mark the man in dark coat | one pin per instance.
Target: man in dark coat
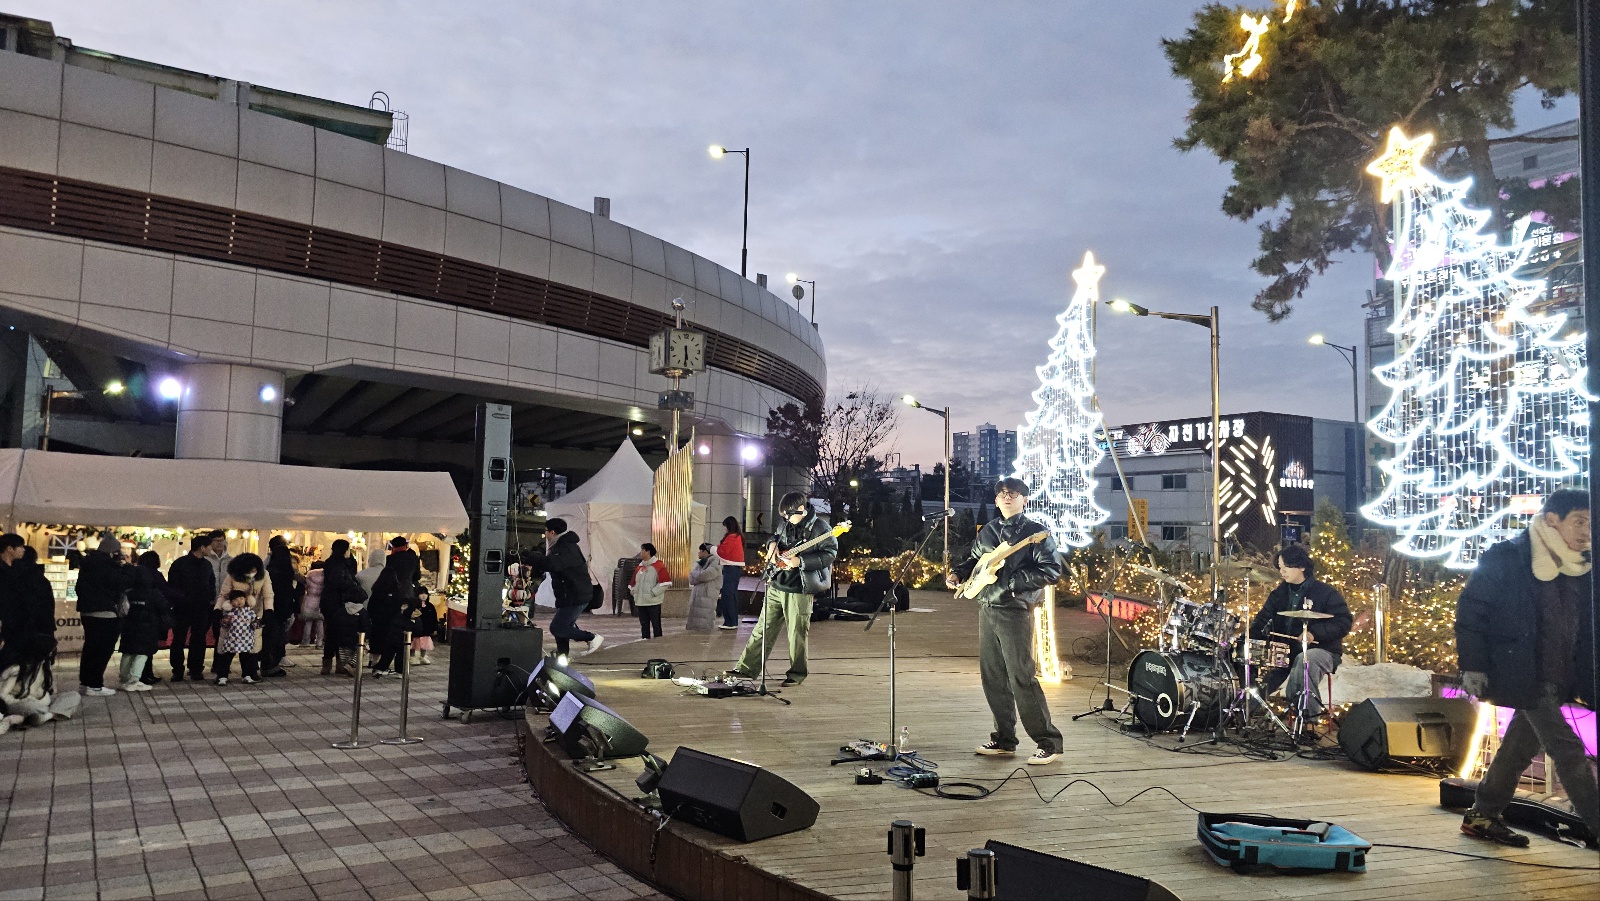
(568, 571)
(791, 591)
(1523, 640)
(1299, 590)
(286, 587)
(194, 581)
(1006, 665)
(394, 590)
(101, 581)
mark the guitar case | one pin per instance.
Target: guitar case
(1537, 816)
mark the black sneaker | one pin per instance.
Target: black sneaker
(788, 683)
(994, 749)
(1492, 829)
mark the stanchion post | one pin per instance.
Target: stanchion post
(907, 842)
(976, 874)
(355, 705)
(405, 694)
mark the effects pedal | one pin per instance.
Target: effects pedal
(922, 780)
(865, 776)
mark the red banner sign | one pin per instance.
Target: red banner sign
(1117, 606)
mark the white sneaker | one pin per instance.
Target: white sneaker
(137, 686)
(287, 662)
(723, 626)
(101, 692)
(425, 661)
(220, 680)
(595, 645)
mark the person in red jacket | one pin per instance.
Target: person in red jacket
(731, 550)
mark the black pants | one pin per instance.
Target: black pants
(649, 618)
(274, 640)
(189, 633)
(223, 663)
(99, 643)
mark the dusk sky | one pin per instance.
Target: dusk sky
(938, 168)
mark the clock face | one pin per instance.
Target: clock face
(658, 352)
(687, 350)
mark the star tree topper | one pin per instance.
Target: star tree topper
(1401, 163)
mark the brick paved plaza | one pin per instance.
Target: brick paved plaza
(192, 791)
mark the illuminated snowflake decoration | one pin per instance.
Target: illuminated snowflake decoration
(1056, 449)
(1489, 411)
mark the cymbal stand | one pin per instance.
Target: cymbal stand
(1305, 681)
(893, 600)
(1105, 706)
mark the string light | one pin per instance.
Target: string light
(1247, 61)
(1057, 448)
(1488, 406)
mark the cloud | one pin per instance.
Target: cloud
(937, 167)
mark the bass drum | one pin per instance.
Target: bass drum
(1165, 687)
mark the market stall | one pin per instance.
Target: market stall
(58, 501)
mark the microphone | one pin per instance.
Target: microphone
(930, 517)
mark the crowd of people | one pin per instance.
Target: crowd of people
(242, 605)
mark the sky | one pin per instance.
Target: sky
(938, 168)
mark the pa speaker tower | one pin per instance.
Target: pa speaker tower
(489, 664)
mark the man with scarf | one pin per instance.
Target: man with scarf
(799, 579)
(1523, 641)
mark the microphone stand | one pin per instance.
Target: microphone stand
(893, 600)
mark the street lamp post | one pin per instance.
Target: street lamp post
(795, 280)
(1351, 355)
(1214, 323)
(945, 415)
(717, 152)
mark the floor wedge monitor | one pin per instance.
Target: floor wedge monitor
(732, 798)
(1022, 874)
(1379, 732)
(587, 728)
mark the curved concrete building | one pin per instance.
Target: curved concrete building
(269, 288)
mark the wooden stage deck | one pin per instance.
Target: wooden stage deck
(843, 856)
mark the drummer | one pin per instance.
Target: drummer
(1299, 590)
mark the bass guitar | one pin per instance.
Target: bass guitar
(988, 566)
(771, 567)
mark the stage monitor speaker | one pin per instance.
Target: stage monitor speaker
(1380, 731)
(1022, 874)
(491, 493)
(733, 798)
(488, 667)
(587, 728)
(551, 680)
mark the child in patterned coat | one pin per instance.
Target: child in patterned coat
(238, 636)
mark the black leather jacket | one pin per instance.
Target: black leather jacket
(1024, 575)
(818, 559)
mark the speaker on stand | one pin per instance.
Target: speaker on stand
(489, 662)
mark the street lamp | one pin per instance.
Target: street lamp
(799, 292)
(1351, 355)
(945, 415)
(1212, 322)
(717, 152)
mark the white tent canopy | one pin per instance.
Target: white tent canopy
(610, 514)
(49, 487)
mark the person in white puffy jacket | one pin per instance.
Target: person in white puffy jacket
(650, 583)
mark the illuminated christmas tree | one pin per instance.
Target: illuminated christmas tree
(1489, 412)
(1057, 450)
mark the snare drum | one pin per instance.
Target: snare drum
(1266, 654)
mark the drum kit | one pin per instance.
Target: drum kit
(1206, 672)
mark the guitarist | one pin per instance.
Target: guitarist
(1005, 626)
(791, 589)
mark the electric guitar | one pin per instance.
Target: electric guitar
(987, 569)
(772, 568)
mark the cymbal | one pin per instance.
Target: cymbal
(1257, 574)
(1157, 574)
(1304, 614)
